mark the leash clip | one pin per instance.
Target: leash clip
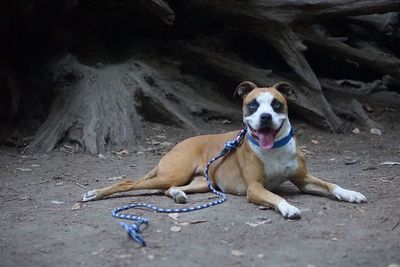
(134, 233)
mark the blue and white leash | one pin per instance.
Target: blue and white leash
(134, 228)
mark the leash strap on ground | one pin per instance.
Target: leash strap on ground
(134, 229)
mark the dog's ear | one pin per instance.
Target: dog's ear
(285, 89)
(244, 88)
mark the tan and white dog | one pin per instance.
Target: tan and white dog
(254, 169)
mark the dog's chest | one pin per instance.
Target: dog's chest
(280, 164)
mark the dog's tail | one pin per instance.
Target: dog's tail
(150, 175)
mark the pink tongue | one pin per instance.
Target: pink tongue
(266, 140)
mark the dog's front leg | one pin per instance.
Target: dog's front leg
(313, 185)
(257, 194)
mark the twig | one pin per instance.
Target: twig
(84, 187)
(397, 224)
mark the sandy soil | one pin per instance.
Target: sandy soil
(41, 224)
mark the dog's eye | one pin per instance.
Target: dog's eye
(252, 107)
(276, 105)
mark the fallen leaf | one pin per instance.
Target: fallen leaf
(101, 156)
(175, 229)
(356, 131)
(349, 161)
(59, 184)
(123, 152)
(237, 253)
(153, 142)
(370, 168)
(315, 142)
(23, 169)
(123, 256)
(57, 202)
(115, 178)
(390, 163)
(191, 222)
(173, 216)
(255, 224)
(376, 131)
(77, 206)
(369, 108)
(165, 144)
(226, 122)
(306, 151)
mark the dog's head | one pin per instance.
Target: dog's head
(265, 110)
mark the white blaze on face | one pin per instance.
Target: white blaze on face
(264, 100)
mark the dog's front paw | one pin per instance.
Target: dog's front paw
(348, 195)
(288, 211)
(90, 195)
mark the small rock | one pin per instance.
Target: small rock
(57, 202)
(175, 229)
(264, 208)
(226, 122)
(260, 256)
(237, 253)
(356, 131)
(376, 131)
(35, 165)
(393, 265)
(59, 184)
(150, 257)
(101, 156)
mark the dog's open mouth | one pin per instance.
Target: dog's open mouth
(265, 137)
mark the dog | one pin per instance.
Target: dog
(267, 157)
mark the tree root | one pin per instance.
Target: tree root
(96, 107)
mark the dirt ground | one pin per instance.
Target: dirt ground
(41, 224)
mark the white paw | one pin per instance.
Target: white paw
(90, 195)
(178, 195)
(288, 211)
(348, 195)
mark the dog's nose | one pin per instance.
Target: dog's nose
(265, 117)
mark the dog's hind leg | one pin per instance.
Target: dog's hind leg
(148, 182)
(197, 185)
